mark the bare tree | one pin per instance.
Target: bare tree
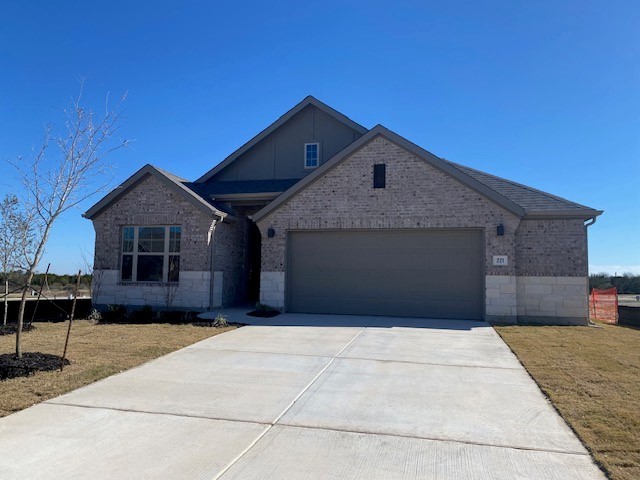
(15, 236)
(87, 266)
(66, 170)
(170, 293)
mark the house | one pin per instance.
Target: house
(319, 214)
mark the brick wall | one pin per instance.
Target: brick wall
(231, 257)
(420, 196)
(551, 247)
(416, 196)
(229, 239)
(152, 203)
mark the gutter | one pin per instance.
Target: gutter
(560, 214)
(245, 196)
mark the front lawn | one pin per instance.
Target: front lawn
(95, 352)
(592, 376)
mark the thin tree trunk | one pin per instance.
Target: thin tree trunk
(35, 309)
(6, 300)
(23, 302)
(73, 311)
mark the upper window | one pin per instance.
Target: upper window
(150, 254)
(311, 155)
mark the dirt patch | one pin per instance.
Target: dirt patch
(592, 377)
(31, 362)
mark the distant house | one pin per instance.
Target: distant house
(319, 214)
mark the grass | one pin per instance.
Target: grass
(592, 376)
(95, 352)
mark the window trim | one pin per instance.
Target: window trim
(135, 253)
(307, 167)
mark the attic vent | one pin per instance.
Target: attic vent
(379, 175)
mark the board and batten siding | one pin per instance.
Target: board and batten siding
(281, 154)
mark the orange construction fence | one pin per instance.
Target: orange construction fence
(603, 305)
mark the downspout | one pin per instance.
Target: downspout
(587, 224)
(211, 262)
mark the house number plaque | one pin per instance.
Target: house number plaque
(500, 260)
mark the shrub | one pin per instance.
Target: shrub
(261, 307)
(171, 316)
(115, 313)
(264, 311)
(144, 315)
(95, 316)
(220, 321)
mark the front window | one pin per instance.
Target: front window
(150, 254)
(311, 155)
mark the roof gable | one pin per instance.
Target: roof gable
(308, 101)
(173, 182)
(518, 199)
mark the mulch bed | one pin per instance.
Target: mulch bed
(264, 313)
(11, 328)
(11, 367)
(147, 317)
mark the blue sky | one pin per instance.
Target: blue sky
(544, 93)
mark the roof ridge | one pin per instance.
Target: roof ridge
(515, 202)
(411, 147)
(169, 179)
(281, 120)
(169, 174)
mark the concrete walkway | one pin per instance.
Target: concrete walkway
(307, 396)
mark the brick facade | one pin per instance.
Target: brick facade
(416, 196)
(551, 247)
(152, 203)
(229, 251)
(544, 281)
(420, 196)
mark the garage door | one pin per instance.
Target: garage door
(436, 273)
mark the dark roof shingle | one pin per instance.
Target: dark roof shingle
(241, 186)
(528, 198)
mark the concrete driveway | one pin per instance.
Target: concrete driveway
(307, 396)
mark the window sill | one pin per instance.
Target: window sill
(149, 284)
